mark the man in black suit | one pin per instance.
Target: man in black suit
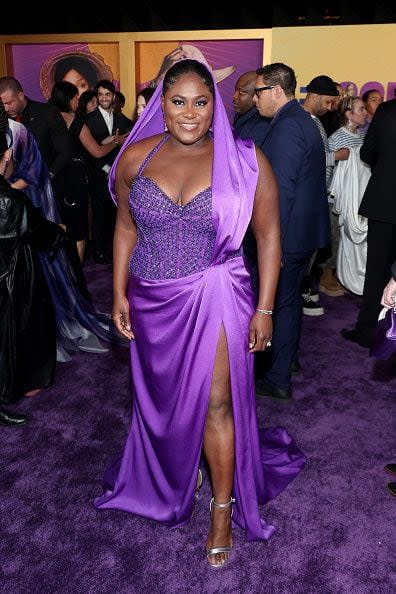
(47, 126)
(118, 106)
(248, 123)
(103, 122)
(378, 205)
(294, 148)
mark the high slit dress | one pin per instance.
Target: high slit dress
(188, 280)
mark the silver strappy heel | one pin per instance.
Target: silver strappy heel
(199, 483)
(215, 550)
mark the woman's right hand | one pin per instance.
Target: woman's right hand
(121, 318)
(108, 139)
(168, 61)
(389, 294)
(116, 138)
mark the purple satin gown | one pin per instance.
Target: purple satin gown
(179, 301)
(383, 345)
(188, 280)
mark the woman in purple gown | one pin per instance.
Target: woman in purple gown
(185, 197)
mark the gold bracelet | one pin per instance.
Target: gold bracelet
(267, 312)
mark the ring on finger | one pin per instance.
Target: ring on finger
(269, 343)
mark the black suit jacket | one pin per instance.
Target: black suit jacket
(127, 124)
(50, 131)
(394, 270)
(295, 150)
(252, 125)
(379, 151)
(99, 131)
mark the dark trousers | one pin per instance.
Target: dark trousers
(59, 191)
(275, 364)
(250, 253)
(381, 253)
(103, 213)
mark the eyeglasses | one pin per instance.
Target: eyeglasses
(258, 90)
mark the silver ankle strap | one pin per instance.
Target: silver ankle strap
(221, 505)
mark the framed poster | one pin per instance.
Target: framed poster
(130, 60)
(227, 58)
(38, 66)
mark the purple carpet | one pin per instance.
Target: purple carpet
(336, 522)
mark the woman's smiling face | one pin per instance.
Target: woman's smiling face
(188, 108)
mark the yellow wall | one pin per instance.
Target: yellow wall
(357, 53)
(109, 53)
(154, 52)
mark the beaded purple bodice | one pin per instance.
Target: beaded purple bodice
(173, 241)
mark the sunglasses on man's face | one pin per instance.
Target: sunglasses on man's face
(258, 90)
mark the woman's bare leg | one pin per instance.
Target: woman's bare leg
(218, 447)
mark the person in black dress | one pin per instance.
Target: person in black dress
(27, 323)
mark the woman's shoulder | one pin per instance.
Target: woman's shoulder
(147, 144)
(341, 132)
(75, 125)
(138, 151)
(78, 122)
(337, 135)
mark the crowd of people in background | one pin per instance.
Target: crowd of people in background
(329, 163)
(59, 155)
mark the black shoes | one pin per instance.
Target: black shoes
(296, 367)
(265, 388)
(391, 488)
(390, 468)
(355, 336)
(311, 305)
(8, 419)
(100, 258)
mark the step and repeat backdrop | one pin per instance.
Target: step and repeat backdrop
(358, 57)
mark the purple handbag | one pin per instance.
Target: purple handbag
(384, 342)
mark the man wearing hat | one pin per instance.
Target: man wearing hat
(321, 92)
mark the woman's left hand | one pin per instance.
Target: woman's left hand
(260, 332)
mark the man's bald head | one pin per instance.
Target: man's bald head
(244, 92)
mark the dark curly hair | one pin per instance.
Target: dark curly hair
(147, 93)
(83, 101)
(61, 95)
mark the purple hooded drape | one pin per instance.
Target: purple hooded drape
(177, 323)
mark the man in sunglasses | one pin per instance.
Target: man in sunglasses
(295, 150)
